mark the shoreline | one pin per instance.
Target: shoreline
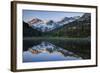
(55, 38)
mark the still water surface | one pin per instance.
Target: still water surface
(46, 51)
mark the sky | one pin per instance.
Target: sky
(48, 15)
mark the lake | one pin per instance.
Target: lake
(40, 50)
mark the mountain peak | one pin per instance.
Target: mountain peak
(34, 21)
(50, 22)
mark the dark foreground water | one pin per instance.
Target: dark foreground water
(55, 50)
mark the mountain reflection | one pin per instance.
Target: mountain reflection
(50, 51)
(50, 48)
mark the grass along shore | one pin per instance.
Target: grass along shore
(55, 38)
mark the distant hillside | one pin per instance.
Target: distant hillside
(28, 31)
(79, 28)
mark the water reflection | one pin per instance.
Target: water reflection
(46, 51)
